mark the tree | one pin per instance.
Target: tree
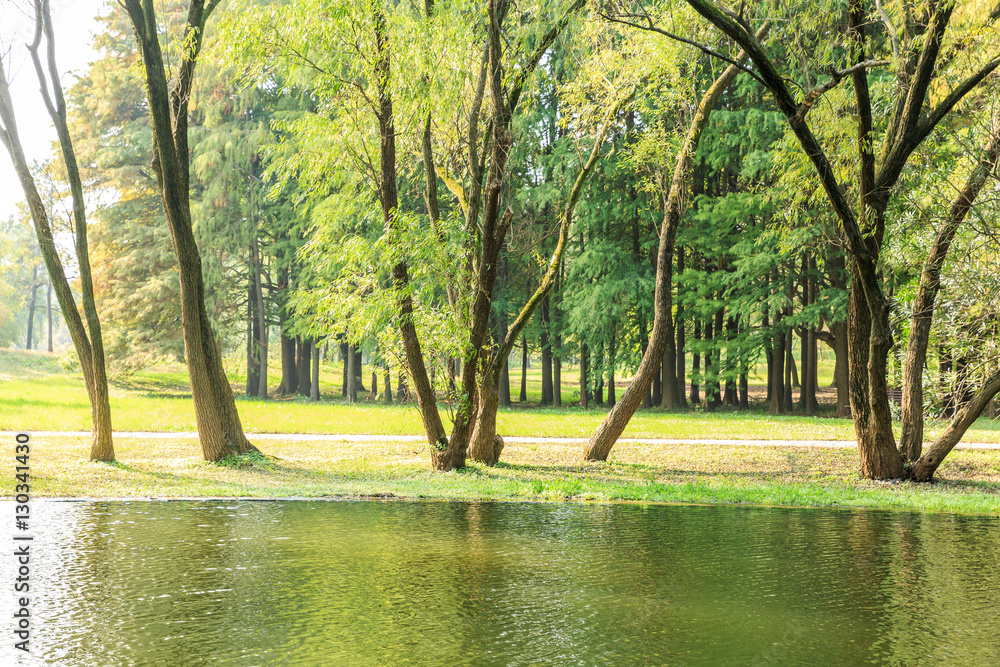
(611, 428)
(219, 428)
(87, 339)
(917, 108)
(911, 440)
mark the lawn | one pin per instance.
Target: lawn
(552, 471)
(36, 394)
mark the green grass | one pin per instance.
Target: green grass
(172, 468)
(35, 394)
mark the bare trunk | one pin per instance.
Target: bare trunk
(261, 323)
(302, 360)
(612, 362)
(776, 380)
(869, 341)
(584, 352)
(253, 370)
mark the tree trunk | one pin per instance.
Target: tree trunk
(925, 467)
(869, 341)
(611, 428)
(387, 382)
(708, 358)
(253, 369)
(696, 364)
(48, 310)
(777, 378)
(352, 375)
(612, 359)
(911, 440)
(668, 368)
(359, 385)
(303, 359)
(219, 427)
(87, 340)
(523, 397)
(599, 375)
(556, 378)
(261, 324)
(346, 371)
(546, 354)
(314, 385)
(289, 370)
(485, 445)
(584, 383)
(679, 349)
(505, 383)
(656, 394)
(31, 308)
(789, 368)
(732, 362)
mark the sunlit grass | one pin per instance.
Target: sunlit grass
(36, 395)
(746, 474)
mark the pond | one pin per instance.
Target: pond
(447, 583)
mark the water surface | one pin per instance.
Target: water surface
(432, 583)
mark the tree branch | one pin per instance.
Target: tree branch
(892, 165)
(651, 27)
(836, 76)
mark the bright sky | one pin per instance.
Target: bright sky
(74, 30)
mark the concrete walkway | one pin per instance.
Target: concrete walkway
(315, 437)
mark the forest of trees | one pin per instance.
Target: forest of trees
(675, 192)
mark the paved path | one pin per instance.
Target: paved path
(314, 437)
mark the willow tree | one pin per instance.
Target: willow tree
(929, 81)
(87, 339)
(219, 428)
(348, 55)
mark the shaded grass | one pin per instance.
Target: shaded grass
(969, 480)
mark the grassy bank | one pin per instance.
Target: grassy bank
(164, 468)
(35, 394)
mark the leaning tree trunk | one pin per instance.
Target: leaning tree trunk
(911, 441)
(87, 340)
(484, 442)
(925, 467)
(611, 428)
(219, 428)
(389, 198)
